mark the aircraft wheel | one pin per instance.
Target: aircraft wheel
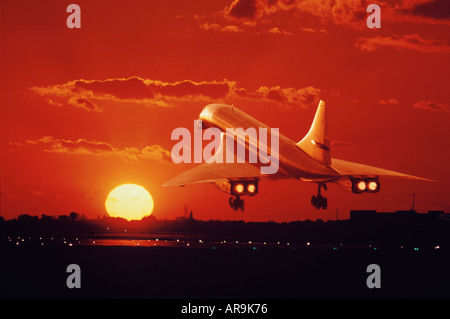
(241, 204)
(322, 203)
(231, 202)
(314, 201)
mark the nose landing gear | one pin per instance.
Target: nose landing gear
(236, 203)
(319, 201)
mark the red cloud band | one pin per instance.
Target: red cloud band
(83, 146)
(87, 93)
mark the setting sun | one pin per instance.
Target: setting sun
(129, 201)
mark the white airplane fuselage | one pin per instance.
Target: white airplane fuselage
(308, 160)
(293, 161)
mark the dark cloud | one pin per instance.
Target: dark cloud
(247, 14)
(437, 9)
(86, 93)
(214, 90)
(135, 88)
(242, 9)
(83, 93)
(290, 97)
(84, 103)
(342, 12)
(432, 106)
(408, 41)
(123, 88)
(275, 95)
(82, 146)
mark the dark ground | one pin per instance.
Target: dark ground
(267, 272)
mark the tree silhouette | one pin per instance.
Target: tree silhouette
(63, 218)
(73, 216)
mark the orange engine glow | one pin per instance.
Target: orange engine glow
(362, 185)
(372, 186)
(239, 188)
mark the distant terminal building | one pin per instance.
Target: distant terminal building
(398, 216)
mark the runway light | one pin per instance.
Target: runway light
(239, 188)
(416, 248)
(251, 188)
(436, 247)
(308, 244)
(361, 185)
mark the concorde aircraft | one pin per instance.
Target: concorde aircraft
(308, 160)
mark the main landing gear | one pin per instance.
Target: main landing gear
(236, 203)
(319, 201)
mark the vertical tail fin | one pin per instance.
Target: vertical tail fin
(316, 143)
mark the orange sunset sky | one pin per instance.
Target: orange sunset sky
(85, 110)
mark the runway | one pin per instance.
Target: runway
(195, 268)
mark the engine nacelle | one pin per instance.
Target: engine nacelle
(239, 188)
(369, 185)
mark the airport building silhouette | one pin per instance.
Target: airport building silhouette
(397, 216)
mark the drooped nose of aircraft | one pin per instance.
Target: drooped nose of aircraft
(211, 112)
